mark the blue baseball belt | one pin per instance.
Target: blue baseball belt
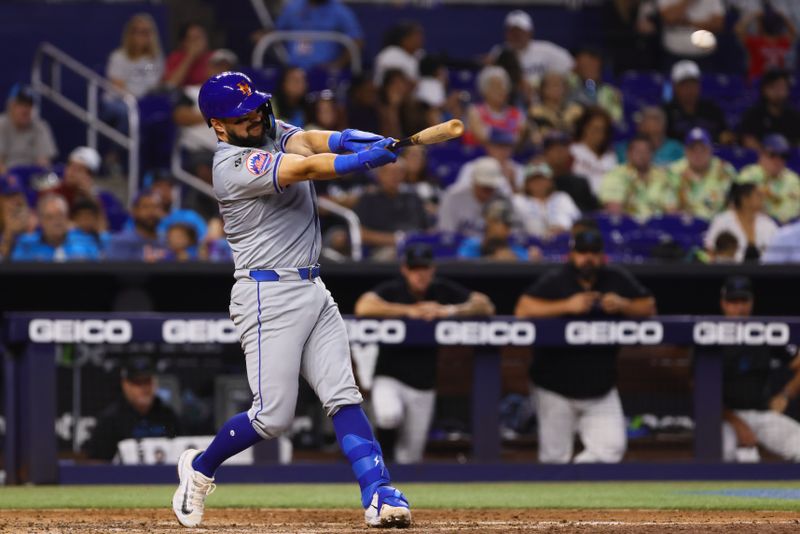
(285, 275)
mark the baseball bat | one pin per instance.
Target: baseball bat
(435, 134)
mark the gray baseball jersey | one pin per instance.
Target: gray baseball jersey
(286, 327)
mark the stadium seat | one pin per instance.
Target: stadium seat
(642, 87)
(737, 156)
(721, 87)
(463, 80)
(444, 245)
(677, 224)
(608, 223)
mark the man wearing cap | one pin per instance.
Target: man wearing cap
(575, 388)
(535, 56)
(139, 414)
(773, 113)
(24, 138)
(500, 146)
(637, 188)
(781, 185)
(543, 211)
(701, 179)
(688, 110)
(753, 407)
(16, 217)
(557, 156)
(461, 210)
(403, 391)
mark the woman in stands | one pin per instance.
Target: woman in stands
(592, 154)
(554, 111)
(289, 102)
(495, 112)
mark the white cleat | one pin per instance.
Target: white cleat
(388, 509)
(189, 500)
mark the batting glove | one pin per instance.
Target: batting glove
(352, 141)
(375, 156)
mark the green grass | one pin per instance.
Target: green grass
(670, 495)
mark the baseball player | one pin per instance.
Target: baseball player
(287, 321)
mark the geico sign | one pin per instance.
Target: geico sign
(485, 333)
(199, 331)
(375, 331)
(74, 331)
(731, 333)
(614, 333)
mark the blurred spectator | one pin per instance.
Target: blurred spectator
(419, 178)
(587, 85)
(24, 139)
(403, 390)
(139, 414)
(701, 179)
(188, 65)
(78, 183)
(591, 152)
(494, 113)
(535, 56)
(394, 100)
(324, 16)
(87, 217)
(688, 109)
(785, 245)
(362, 105)
(556, 155)
(770, 45)
(725, 248)
(136, 66)
(289, 99)
(497, 241)
(141, 242)
(773, 113)
(638, 188)
(652, 123)
(431, 89)
(325, 112)
(16, 217)
(681, 18)
(746, 220)
(521, 90)
(388, 213)
(631, 35)
(543, 211)
(196, 139)
(553, 111)
(461, 211)
(403, 48)
(499, 146)
(574, 389)
(780, 185)
(753, 408)
(54, 241)
(181, 242)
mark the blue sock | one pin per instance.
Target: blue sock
(236, 435)
(362, 449)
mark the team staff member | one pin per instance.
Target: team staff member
(753, 413)
(575, 387)
(403, 390)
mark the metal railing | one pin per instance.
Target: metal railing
(89, 114)
(273, 38)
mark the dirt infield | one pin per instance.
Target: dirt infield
(282, 521)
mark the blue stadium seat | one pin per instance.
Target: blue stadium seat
(554, 249)
(722, 87)
(677, 224)
(444, 245)
(639, 244)
(736, 155)
(623, 224)
(445, 160)
(463, 80)
(642, 87)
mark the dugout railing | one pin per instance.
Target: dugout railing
(30, 387)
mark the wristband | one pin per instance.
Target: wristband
(335, 142)
(347, 163)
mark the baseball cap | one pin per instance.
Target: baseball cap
(519, 19)
(499, 210)
(587, 241)
(86, 156)
(10, 185)
(486, 172)
(737, 288)
(538, 170)
(776, 144)
(137, 367)
(418, 255)
(697, 135)
(225, 55)
(685, 70)
(21, 93)
(556, 137)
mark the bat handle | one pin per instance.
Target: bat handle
(400, 144)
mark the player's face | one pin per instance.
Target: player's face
(418, 278)
(736, 308)
(248, 130)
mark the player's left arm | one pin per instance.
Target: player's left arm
(310, 142)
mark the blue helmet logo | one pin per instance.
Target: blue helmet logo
(230, 94)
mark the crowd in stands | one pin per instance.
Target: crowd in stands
(689, 169)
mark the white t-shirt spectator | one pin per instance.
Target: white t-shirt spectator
(676, 38)
(587, 163)
(198, 137)
(540, 57)
(395, 57)
(538, 216)
(140, 76)
(785, 246)
(728, 222)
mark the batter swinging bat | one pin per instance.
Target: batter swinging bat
(435, 134)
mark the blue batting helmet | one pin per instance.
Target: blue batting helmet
(230, 94)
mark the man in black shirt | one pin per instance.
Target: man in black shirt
(575, 387)
(139, 414)
(557, 155)
(773, 113)
(753, 412)
(403, 392)
(688, 110)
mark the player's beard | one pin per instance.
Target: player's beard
(253, 141)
